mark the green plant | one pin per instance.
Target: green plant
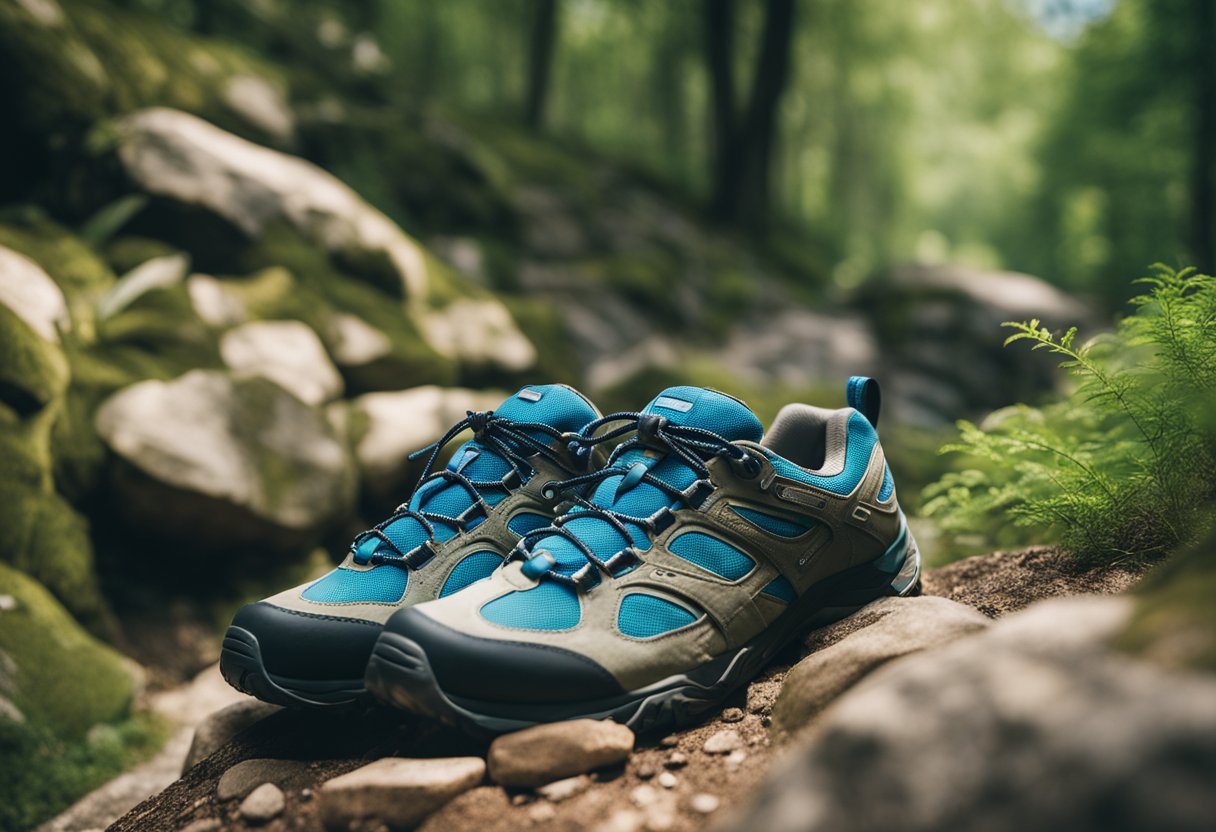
(1123, 466)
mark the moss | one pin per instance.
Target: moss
(63, 677)
(1175, 620)
(125, 253)
(33, 371)
(541, 322)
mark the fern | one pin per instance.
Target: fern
(1123, 466)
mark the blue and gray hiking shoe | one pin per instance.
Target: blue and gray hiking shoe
(701, 551)
(309, 645)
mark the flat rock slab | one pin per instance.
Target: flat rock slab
(220, 727)
(246, 776)
(396, 792)
(900, 626)
(539, 755)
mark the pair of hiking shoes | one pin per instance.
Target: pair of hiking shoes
(637, 566)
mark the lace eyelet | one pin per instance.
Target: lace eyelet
(549, 490)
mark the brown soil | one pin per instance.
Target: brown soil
(995, 584)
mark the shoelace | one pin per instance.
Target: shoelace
(692, 445)
(498, 434)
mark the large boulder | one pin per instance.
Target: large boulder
(31, 293)
(1034, 724)
(215, 460)
(33, 371)
(940, 329)
(286, 352)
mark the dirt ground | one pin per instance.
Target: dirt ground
(995, 584)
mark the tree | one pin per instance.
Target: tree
(743, 139)
(542, 41)
(1203, 152)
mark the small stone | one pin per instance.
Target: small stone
(247, 775)
(397, 792)
(520, 799)
(677, 760)
(306, 794)
(766, 721)
(660, 818)
(643, 796)
(560, 790)
(622, 820)
(670, 741)
(723, 742)
(645, 771)
(203, 825)
(263, 804)
(703, 803)
(667, 780)
(732, 715)
(542, 812)
(736, 758)
(544, 753)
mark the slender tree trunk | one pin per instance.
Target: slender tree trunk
(743, 144)
(1203, 160)
(541, 45)
(719, 56)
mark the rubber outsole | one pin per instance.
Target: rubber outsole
(399, 673)
(242, 667)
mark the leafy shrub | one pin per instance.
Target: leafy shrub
(1123, 466)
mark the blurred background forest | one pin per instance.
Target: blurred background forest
(253, 253)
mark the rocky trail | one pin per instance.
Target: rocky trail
(706, 773)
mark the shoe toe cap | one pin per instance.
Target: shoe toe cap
(302, 645)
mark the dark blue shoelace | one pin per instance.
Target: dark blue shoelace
(513, 441)
(692, 445)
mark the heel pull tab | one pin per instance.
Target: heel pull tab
(864, 396)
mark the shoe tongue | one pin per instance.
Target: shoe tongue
(700, 407)
(556, 405)
(692, 406)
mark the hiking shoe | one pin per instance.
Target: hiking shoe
(701, 551)
(309, 645)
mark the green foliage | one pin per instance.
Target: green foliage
(1123, 466)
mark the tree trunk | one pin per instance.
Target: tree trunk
(1203, 159)
(743, 146)
(541, 44)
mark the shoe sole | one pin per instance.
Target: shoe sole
(242, 667)
(400, 674)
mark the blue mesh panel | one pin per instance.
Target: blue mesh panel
(888, 484)
(710, 553)
(780, 588)
(547, 606)
(709, 409)
(775, 525)
(557, 405)
(528, 521)
(861, 442)
(381, 584)
(472, 569)
(645, 616)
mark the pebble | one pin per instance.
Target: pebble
(395, 791)
(263, 804)
(676, 760)
(723, 742)
(643, 796)
(544, 753)
(560, 790)
(667, 780)
(645, 771)
(247, 775)
(736, 758)
(703, 803)
(670, 741)
(542, 812)
(732, 715)
(305, 794)
(520, 799)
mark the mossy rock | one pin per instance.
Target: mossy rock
(62, 677)
(33, 371)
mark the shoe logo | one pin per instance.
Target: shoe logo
(672, 403)
(802, 498)
(529, 395)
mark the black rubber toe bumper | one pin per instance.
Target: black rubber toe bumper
(290, 657)
(503, 671)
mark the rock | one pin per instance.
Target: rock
(560, 790)
(397, 424)
(901, 626)
(261, 103)
(212, 460)
(49, 660)
(263, 804)
(31, 293)
(732, 715)
(156, 273)
(248, 775)
(356, 343)
(669, 741)
(643, 796)
(1034, 724)
(704, 804)
(542, 813)
(736, 758)
(667, 780)
(477, 331)
(214, 302)
(678, 759)
(218, 729)
(645, 771)
(397, 792)
(286, 352)
(544, 753)
(723, 742)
